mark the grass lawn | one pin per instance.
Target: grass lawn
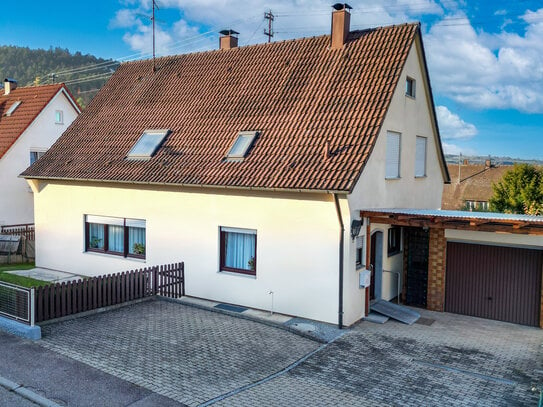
(19, 280)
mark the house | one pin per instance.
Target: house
(31, 120)
(251, 164)
(471, 185)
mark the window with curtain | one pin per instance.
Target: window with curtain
(393, 155)
(117, 236)
(238, 250)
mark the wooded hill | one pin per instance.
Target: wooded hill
(83, 74)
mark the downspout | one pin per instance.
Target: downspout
(341, 244)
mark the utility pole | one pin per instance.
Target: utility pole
(153, 19)
(269, 16)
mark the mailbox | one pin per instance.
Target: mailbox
(365, 278)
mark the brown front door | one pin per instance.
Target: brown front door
(494, 282)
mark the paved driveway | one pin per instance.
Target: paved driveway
(195, 356)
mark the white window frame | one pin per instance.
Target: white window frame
(158, 135)
(13, 107)
(421, 149)
(410, 87)
(59, 117)
(241, 145)
(38, 152)
(360, 250)
(393, 155)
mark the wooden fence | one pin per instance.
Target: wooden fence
(26, 230)
(68, 298)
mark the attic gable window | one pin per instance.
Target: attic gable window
(410, 87)
(147, 144)
(13, 107)
(241, 145)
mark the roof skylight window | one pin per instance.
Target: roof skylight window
(13, 107)
(147, 144)
(241, 145)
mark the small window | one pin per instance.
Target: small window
(360, 260)
(393, 155)
(59, 117)
(394, 240)
(147, 144)
(420, 157)
(410, 86)
(13, 107)
(242, 145)
(117, 236)
(238, 250)
(35, 156)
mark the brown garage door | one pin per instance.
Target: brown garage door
(494, 282)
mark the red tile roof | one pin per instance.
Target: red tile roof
(34, 99)
(475, 184)
(298, 94)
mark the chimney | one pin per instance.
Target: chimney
(9, 85)
(341, 23)
(228, 39)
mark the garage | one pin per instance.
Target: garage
(481, 264)
(494, 282)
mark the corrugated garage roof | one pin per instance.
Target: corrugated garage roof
(489, 216)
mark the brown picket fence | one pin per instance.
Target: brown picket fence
(25, 229)
(68, 298)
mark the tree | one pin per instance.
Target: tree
(519, 191)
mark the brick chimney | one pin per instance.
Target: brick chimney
(228, 39)
(9, 85)
(341, 23)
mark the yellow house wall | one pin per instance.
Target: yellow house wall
(297, 240)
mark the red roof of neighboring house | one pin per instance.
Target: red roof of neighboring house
(33, 100)
(298, 94)
(475, 184)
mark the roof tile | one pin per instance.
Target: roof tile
(299, 94)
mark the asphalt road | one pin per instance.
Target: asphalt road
(65, 381)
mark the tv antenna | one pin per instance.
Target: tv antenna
(155, 7)
(268, 15)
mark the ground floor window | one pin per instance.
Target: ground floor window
(360, 260)
(117, 236)
(394, 240)
(238, 250)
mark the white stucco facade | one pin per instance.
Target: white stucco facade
(16, 198)
(411, 117)
(297, 240)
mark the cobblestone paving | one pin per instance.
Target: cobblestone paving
(181, 352)
(457, 361)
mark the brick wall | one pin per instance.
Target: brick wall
(436, 270)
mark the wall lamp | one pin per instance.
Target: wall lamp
(356, 225)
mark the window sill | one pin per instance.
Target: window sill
(420, 176)
(236, 274)
(392, 178)
(410, 97)
(115, 256)
(394, 253)
(360, 267)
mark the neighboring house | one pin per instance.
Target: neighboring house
(31, 120)
(251, 165)
(471, 185)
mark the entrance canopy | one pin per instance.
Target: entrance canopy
(461, 220)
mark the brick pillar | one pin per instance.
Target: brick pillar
(436, 270)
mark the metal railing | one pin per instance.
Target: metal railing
(17, 303)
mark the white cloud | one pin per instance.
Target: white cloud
(456, 150)
(485, 71)
(294, 18)
(451, 126)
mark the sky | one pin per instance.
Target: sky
(485, 58)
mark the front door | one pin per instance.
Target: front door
(376, 265)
